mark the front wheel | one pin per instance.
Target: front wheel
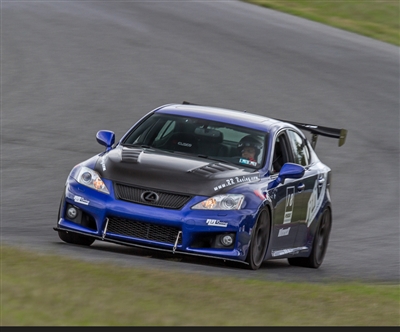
(259, 240)
(320, 244)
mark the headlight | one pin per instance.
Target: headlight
(221, 202)
(91, 179)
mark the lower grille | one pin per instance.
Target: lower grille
(142, 230)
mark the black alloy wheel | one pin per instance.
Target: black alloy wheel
(259, 240)
(320, 244)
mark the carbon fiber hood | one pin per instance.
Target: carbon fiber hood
(171, 172)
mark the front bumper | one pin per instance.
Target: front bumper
(193, 232)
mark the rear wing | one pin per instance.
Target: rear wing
(315, 130)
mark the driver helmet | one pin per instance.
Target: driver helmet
(252, 142)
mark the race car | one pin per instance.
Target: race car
(206, 181)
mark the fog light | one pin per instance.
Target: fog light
(72, 212)
(227, 240)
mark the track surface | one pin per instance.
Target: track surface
(71, 68)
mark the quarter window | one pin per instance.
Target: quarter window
(299, 147)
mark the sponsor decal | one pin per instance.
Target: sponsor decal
(284, 232)
(215, 222)
(188, 145)
(247, 162)
(79, 199)
(237, 179)
(103, 164)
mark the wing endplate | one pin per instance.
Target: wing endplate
(316, 130)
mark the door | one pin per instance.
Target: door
(305, 187)
(291, 198)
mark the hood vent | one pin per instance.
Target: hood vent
(213, 168)
(131, 155)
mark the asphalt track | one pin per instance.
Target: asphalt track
(71, 68)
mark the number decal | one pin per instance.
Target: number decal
(316, 199)
(289, 205)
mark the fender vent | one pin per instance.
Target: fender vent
(131, 155)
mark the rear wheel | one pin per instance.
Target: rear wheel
(259, 240)
(72, 237)
(320, 244)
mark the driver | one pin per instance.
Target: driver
(249, 148)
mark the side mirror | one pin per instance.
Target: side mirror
(106, 138)
(288, 171)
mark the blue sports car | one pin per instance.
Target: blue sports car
(205, 181)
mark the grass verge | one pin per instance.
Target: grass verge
(46, 290)
(378, 19)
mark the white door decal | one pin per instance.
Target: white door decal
(316, 198)
(289, 205)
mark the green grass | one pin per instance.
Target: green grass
(44, 290)
(378, 19)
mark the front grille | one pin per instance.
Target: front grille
(165, 199)
(142, 230)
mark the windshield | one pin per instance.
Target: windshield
(203, 138)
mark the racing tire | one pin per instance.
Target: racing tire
(259, 240)
(320, 244)
(72, 237)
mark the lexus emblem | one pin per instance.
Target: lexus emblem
(150, 197)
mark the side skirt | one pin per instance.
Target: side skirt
(289, 251)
